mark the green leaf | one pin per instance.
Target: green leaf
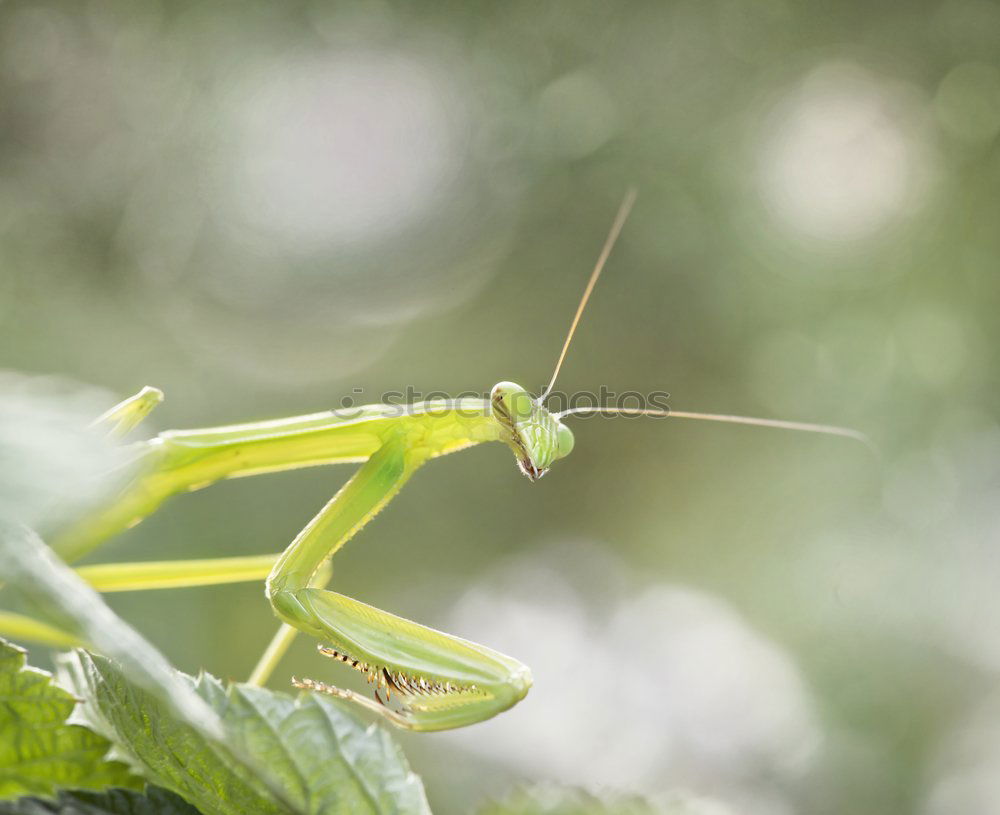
(323, 759)
(154, 801)
(39, 751)
(59, 597)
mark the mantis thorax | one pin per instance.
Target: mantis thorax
(534, 434)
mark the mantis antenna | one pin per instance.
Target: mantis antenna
(609, 243)
(806, 427)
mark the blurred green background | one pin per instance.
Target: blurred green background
(262, 207)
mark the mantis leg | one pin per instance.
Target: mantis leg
(175, 574)
(145, 576)
(124, 416)
(113, 577)
(20, 627)
(181, 461)
(440, 681)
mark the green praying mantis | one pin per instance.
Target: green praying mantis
(424, 680)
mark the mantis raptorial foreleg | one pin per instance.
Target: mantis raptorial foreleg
(441, 680)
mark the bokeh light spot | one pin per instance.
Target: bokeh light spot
(698, 692)
(840, 161)
(341, 150)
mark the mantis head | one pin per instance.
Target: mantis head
(534, 434)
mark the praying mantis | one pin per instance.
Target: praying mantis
(424, 680)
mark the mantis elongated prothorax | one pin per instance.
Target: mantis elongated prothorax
(423, 679)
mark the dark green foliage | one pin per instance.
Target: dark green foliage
(154, 801)
(39, 751)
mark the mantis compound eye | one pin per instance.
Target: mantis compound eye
(564, 441)
(511, 403)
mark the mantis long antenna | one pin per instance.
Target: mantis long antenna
(805, 427)
(616, 228)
